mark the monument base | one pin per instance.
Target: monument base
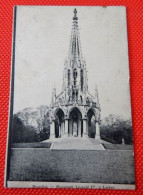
(97, 137)
(76, 143)
(52, 137)
(85, 135)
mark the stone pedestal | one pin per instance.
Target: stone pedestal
(52, 130)
(75, 129)
(62, 129)
(59, 130)
(66, 128)
(84, 129)
(97, 136)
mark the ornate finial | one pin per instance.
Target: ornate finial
(75, 13)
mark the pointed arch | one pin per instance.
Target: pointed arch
(73, 109)
(59, 122)
(59, 110)
(91, 122)
(75, 125)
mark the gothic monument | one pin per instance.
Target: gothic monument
(71, 110)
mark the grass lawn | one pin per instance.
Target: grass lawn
(31, 145)
(118, 147)
(43, 164)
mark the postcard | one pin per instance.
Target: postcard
(70, 120)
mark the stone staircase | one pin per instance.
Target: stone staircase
(77, 144)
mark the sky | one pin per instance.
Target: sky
(42, 44)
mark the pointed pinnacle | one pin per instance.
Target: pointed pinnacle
(75, 14)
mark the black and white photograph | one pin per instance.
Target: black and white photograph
(70, 122)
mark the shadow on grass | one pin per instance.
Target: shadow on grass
(107, 166)
(31, 145)
(117, 147)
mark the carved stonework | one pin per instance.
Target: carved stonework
(75, 102)
(52, 116)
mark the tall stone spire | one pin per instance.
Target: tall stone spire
(75, 73)
(75, 47)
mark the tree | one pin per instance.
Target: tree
(43, 122)
(115, 129)
(22, 133)
(31, 125)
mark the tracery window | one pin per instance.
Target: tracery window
(81, 79)
(75, 76)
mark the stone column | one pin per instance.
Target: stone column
(70, 128)
(87, 129)
(52, 130)
(66, 128)
(63, 127)
(97, 136)
(84, 128)
(79, 128)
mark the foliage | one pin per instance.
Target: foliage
(23, 133)
(116, 130)
(31, 125)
